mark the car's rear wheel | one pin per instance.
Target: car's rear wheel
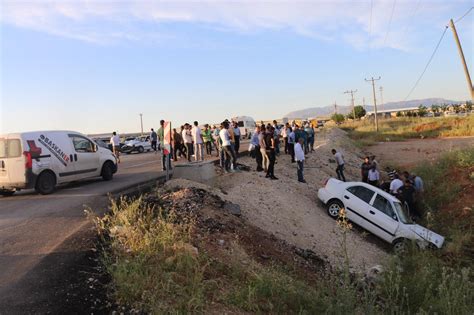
(334, 207)
(46, 183)
(107, 171)
(7, 193)
(141, 149)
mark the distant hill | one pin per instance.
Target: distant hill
(329, 110)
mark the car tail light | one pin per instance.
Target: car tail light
(28, 160)
(326, 182)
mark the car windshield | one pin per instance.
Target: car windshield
(403, 213)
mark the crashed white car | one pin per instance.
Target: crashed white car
(376, 211)
(140, 145)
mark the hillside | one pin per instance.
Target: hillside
(329, 110)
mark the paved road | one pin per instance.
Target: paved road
(34, 228)
(32, 225)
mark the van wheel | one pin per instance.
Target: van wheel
(7, 193)
(334, 207)
(46, 183)
(107, 171)
(141, 149)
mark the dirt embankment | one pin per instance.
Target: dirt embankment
(291, 210)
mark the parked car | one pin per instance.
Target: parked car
(44, 159)
(376, 211)
(139, 144)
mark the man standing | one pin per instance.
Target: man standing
(161, 133)
(256, 144)
(153, 139)
(270, 148)
(226, 145)
(177, 145)
(291, 144)
(263, 147)
(207, 137)
(188, 140)
(115, 142)
(373, 176)
(236, 137)
(276, 135)
(198, 142)
(364, 169)
(299, 155)
(340, 164)
(284, 134)
(161, 137)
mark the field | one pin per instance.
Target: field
(399, 129)
(179, 249)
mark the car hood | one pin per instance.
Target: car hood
(428, 235)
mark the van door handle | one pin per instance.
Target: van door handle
(71, 157)
(346, 197)
(75, 157)
(371, 212)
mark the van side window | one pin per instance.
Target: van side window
(361, 192)
(382, 204)
(10, 148)
(81, 144)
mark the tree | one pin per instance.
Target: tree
(338, 118)
(422, 111)
(399, 114)
(468, 105)
(359, 112)
(435, 108)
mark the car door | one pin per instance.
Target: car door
(357, 201)
(383, 219)
(86, 156)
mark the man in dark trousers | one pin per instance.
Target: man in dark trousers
(299, 156)
(153, 139)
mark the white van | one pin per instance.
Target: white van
(246, 125)
(44, 159)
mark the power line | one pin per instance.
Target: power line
(462, 17)
(390, 21)
(427, 64)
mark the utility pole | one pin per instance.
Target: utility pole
(335, 108)
(351, 92)
(363, 102)
(463, 60)
(141, 122)
(375, 101)
(381, 97)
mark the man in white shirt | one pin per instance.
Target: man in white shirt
(395, 185)
(188, 140)
(236, 137)
(299, 156)
(373, 176)
(115, 142)
(198, 142)
(284, 134)
(228, 152)
(340, 165)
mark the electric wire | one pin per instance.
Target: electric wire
(427, 64)
(390, 21)
(462, 17)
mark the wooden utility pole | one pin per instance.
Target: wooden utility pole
(351, 92)
(381, 98)
(335, 108)
(375, 101)
(141, 122)
(463, 60)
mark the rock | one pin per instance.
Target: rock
(221, 242)
(233, 208)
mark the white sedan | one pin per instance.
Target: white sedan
(140, 145)
(376, 211)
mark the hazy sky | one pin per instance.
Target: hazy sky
(93, 66)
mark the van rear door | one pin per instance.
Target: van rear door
(12, 163)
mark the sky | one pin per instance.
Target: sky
(94, 66)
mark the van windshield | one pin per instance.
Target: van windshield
(10, 148)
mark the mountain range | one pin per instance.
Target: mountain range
(329, 110)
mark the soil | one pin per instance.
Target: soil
(409, 153)
(291, 211)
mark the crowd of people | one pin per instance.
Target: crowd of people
(407, 187)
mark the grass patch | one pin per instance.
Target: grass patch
(399, 129)
(161, 261)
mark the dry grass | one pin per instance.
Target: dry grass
(399, 129)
